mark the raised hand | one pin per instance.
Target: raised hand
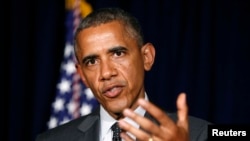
(167, 130)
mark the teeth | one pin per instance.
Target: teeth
(111, 90)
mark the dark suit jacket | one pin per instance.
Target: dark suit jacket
(86, 128)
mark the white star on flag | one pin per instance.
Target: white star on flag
(85, 109)
(52, 122)
(88, 93)
(58, 104)
(64, 86)
(72, 99)
(69, 67)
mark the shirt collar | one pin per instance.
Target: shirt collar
(107, 121)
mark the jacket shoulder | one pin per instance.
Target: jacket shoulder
(198, 128)
(66, 131)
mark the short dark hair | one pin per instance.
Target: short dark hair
(106, 15)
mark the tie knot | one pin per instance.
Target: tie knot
(116, 132)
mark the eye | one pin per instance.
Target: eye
(90, 62)
(119, 53)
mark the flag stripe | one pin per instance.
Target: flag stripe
(72, 99)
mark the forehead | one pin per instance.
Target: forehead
(105, 35)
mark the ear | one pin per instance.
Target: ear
(79, 71)
(148, 53)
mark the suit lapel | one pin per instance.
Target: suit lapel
(90, 127)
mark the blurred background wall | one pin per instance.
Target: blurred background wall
(202, 48)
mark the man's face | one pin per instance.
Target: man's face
(112, 66)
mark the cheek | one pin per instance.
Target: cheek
(132, 72)
(91, 79)
(135, 67)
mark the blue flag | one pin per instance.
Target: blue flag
(72, 99)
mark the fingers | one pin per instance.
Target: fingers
(144, 122)
(126, 137)
(167, 128)
(166, 124)
(139, 134)
(156, 112)
(182, 111)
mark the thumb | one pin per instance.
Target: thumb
(182, 110)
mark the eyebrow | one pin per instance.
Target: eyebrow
(117, 48)
(111, 50)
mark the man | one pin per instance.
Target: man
(112, 59)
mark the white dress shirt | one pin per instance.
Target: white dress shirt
(107, 121)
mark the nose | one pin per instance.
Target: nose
(107, 70)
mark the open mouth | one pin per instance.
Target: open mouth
(112, 91)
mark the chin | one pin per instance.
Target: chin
(118, 107)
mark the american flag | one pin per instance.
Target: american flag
(72, 99)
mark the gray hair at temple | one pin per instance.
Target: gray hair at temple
(106, 15)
